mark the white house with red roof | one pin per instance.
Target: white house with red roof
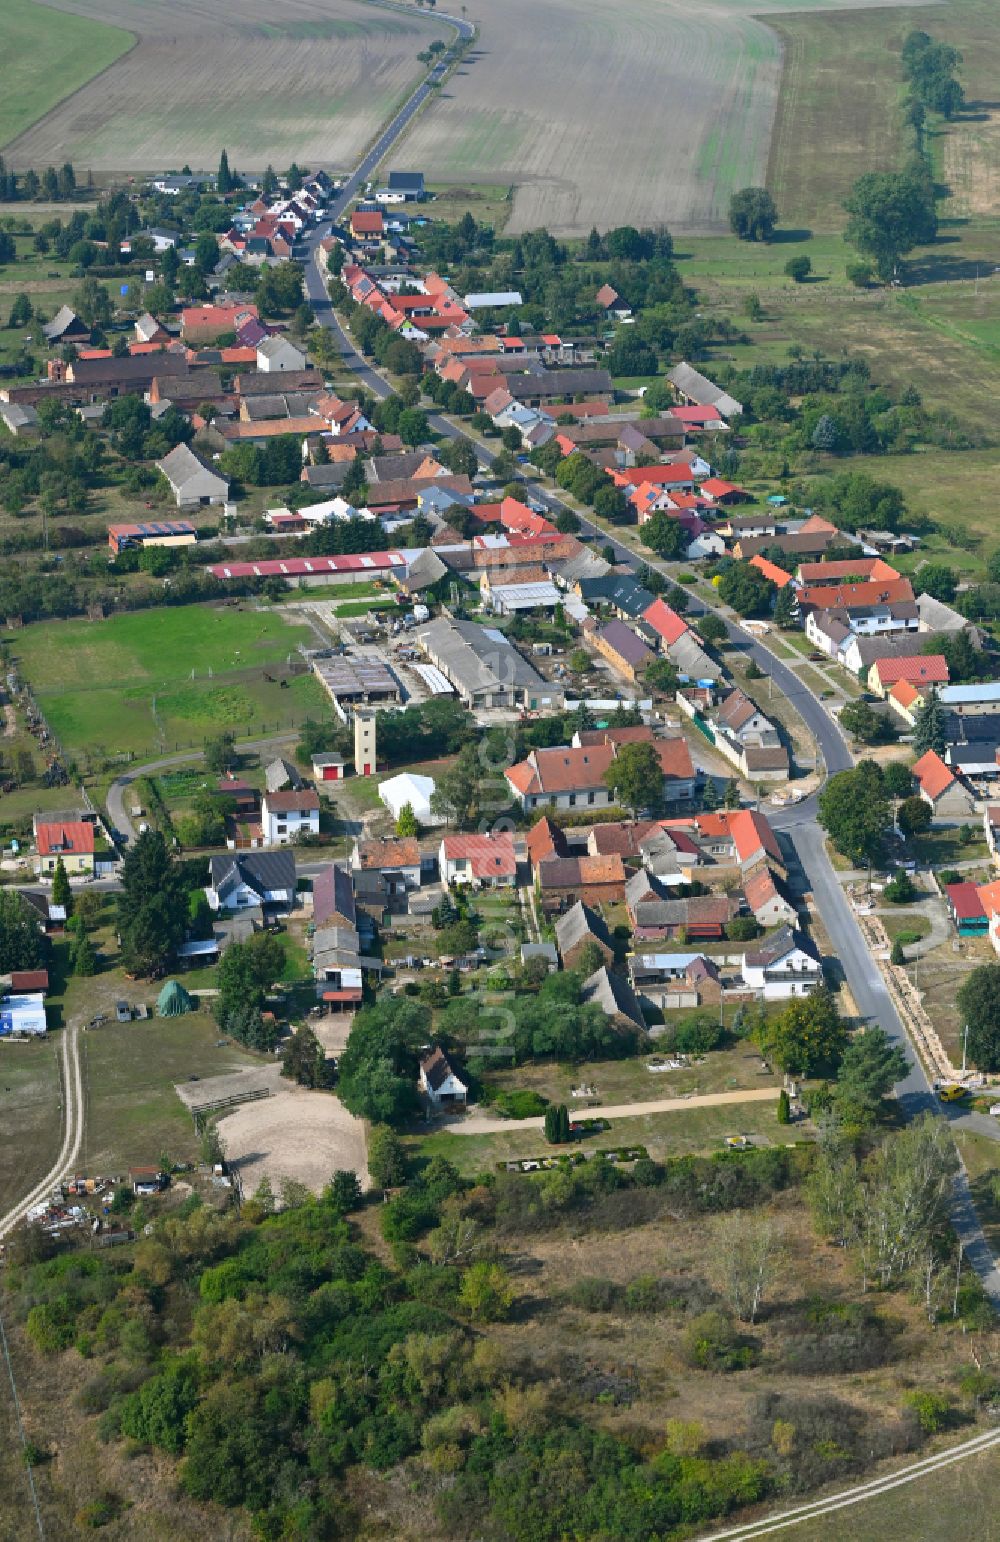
(69, 840)
(478, 861)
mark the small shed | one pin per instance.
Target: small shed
(173, 1000)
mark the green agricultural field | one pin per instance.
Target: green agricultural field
(154, 679)
(928, 1508)
(48, 54)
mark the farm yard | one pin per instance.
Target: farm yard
(707, 85)
(331, 73)
(155, 679)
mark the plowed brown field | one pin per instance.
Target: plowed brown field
(271, 80)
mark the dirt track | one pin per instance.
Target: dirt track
(480, 1124)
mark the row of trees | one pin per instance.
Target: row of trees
(52, 186)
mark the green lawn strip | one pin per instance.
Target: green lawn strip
(627, 1081)
(895, 924)
(942, 848)
(926, 1509)
(48, 54)
(30, 1101)
(664, 1135)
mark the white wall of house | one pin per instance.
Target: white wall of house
(281, 828)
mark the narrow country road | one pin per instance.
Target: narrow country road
(482, 1124)
(117, 812)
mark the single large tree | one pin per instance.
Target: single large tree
(746, 589)
(62, 894)
(635, 777)
(930, 729)
(869, 1070)
(152, 909)
(666, 536)
(808, 1038)
(752, 214)
(890, 212)
(854, 810)
(378, 1069)
(224, 180)
(22, 943)
(979, 1008)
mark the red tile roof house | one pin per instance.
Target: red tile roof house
(73, 841)
(918, 669)
(771, 570)
(679, 777)
(562, 778)
(594, 880)
(481, 861)
(545, 840)
(966, 908)
(668, 625)
(204, 323)
(938, 785)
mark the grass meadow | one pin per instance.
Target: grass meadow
(141, 682)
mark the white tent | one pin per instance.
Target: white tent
(414, 790)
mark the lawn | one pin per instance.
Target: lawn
(47, 55)
(133, 1112)
(30, 1097)
(162, 678)
(627, 1081)
(487, 205)
(664, 1135)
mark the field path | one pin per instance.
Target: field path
(857, 1495)
(73, 1119)
(481, 1124)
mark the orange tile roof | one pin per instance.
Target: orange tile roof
(860, 568)
(933, 775)
(491, 856)
(989, 898)
(562, 769)
(751, 833)
(905, 693)
(401, 851)
(772, 571)
(545, 840)
(843, 596)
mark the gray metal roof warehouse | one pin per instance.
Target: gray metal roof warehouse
(484, 668)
